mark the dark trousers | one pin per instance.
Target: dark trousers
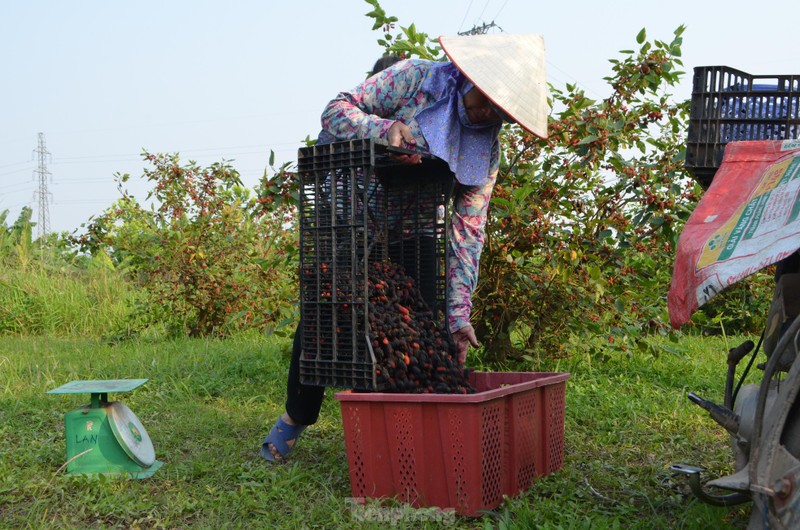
(303, 402)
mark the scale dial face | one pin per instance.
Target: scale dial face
(131, 434)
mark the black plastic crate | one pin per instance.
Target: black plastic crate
(729, 105)
(358, 205)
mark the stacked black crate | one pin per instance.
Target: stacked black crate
(359, 206)
(729, 105)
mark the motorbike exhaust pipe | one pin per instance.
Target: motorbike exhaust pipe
(728, 419)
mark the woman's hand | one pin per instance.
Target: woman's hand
(399, 135)
(464, 338)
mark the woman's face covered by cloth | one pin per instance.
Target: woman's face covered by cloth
(479, 109)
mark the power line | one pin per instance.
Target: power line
(222, 151)
(130, 158)
(43, 195)
(15, 164)
(15, 171)
(86, 201)
(501, 10)
(20, 185)
(484, 28)
(465, 16)
(17, 205)
(480, 17)
(481, 30)
(62, 182)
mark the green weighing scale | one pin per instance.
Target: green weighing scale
(106, 437)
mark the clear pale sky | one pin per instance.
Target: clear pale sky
(235, 79)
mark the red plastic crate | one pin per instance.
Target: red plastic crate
(462, 452)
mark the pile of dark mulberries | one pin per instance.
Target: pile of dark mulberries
(414, 355)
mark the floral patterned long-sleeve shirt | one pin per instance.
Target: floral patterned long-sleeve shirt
(368, 111)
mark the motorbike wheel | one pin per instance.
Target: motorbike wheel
(775, 451)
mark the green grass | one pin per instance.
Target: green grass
(208, 405)
(63, 300)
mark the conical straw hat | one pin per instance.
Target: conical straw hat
(509, 70)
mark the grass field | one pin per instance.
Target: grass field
(208, 405)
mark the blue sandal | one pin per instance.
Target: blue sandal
(278, 437)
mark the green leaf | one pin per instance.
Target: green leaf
(499, 201)
(522, 193)
(641, 36)
(674, 352)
